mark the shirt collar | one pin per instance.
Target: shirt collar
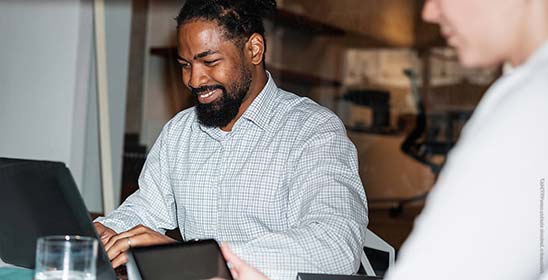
(260, 110)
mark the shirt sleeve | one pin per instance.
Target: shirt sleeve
(153, 204)
(327, 210)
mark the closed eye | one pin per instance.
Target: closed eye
(211, 62)
(184, 65)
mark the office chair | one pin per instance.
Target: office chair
(373, 241)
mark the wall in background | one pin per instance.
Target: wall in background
(44, 58)
(134, 104)
(46, 65)
(162, 85)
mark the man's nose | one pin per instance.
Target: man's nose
(198, 77)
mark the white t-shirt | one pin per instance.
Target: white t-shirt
(485, 217)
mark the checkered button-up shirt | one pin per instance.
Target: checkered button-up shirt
(282, 188)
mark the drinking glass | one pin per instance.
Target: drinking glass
(68, 257)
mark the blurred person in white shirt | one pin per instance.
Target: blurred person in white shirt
(484, 218)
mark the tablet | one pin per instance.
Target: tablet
(200, 259)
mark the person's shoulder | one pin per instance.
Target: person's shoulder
(304, 110)
(531, 91)
(534, 79)
(181, 121)
(515, 116)
(539, 82)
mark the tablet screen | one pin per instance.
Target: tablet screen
(189, 260)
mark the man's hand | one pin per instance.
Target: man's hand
(239, 269)
(105, 233)
(140, 235)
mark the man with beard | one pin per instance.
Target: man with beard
(269, 172)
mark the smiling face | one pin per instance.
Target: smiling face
(484, 32)
(215, 70)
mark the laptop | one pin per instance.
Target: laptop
(39, 198)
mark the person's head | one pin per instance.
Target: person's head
(490, 32)
(221, 47)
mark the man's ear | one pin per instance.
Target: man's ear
(255, 48)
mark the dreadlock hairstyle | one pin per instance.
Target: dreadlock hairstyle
(239, 18)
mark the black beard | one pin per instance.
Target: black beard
(221, 112)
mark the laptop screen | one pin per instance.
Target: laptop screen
(40, 198)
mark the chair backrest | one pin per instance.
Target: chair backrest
(373, 241)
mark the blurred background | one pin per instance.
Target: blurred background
(390, 77)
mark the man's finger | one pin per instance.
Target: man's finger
(124, 243)
(119, 247)
(105, 236)
(137, 230)
(113, 252)
(99, 228)
(229, 256)
(119, 260)
(105, 233)
(118, 237)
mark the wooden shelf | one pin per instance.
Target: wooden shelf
(164, 51)
(279, 73)
(301, 22)
(387, 131)
(301, 77)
